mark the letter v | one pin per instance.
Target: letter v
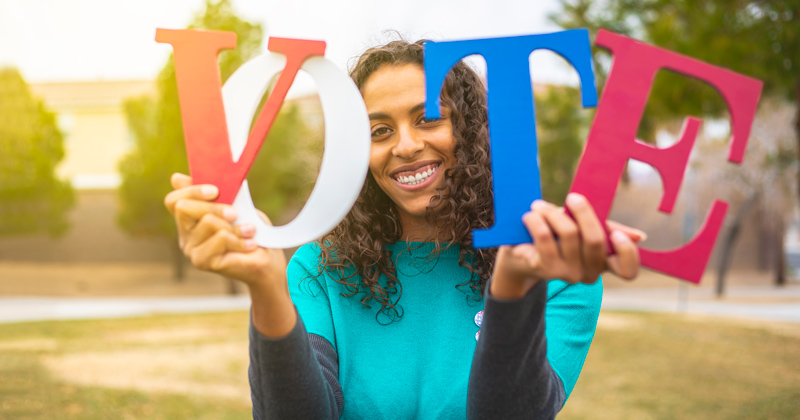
(203, 113)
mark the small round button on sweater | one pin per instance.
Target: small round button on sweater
(479, 318)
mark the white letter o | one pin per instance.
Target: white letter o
(345, 160)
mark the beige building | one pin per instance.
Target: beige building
(96, 137)
(96, 134)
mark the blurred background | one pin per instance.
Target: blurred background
(102, 317)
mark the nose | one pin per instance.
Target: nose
(409, 143)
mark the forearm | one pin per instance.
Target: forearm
(511, 377)
(292, 379)
(273, 313)
(506, 281)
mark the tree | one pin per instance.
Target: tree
(759, 38)
(765, 180)
(160, 151)
(32, 199)
(283, 173)
(561, 128)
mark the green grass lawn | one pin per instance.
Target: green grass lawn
(641, 366)
(162, 367)
(662, 366)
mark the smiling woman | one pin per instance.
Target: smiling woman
(407, 149)
(443, 207)
(458, 345)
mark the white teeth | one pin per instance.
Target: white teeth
(416, 178)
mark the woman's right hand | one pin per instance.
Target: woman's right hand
(209, 239)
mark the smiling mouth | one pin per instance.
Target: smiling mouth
(417, 176)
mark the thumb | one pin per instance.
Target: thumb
(634, 234)
(264, 218)
(179, 180)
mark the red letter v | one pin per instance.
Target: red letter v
(202, 111)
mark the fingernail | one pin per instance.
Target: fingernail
(209, 191)
(537, 203)
(618, 236)
(229, 213)
(247, 229)
(250, 244)
(575, 200)
(642, 234)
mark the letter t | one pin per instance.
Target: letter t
(512, 126)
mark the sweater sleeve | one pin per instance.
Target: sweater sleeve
(511, 377)
(294, 377)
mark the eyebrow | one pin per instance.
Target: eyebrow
(420, 107)
(382, 116)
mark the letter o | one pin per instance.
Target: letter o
(345, 160)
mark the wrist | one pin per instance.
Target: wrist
(506, 288)
(509, 281)
(272, 309)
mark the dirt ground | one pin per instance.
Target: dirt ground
(104, 279)
(648, 278)
(156, 279)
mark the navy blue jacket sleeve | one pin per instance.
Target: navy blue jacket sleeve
(511, 377)
(294, 377)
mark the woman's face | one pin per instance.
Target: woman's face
(409, 153)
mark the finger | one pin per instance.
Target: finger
(636, 235)
(528, 255)
(179, 180)
(626, 261)
(518, 260)
(204, 192)
(208, 225)
(209, 255)
(566, 230)
(264, 218)
(245, 231)
(542, 237)
(189, 212)
(593, 236)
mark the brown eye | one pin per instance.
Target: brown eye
(380, 131)
(424, 120)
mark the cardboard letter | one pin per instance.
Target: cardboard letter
(202, 112)
(512, 127)
(612, 141)
(221, 146)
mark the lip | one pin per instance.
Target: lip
(414, 166)
(431, 179)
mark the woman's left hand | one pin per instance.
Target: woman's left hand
(577, 256)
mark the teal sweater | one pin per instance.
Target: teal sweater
(419, 365)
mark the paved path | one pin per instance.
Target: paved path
(36, 309)
(753, 302)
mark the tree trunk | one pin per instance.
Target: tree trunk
(780, 277)
(233, 288)
(626, 177)
(780, 257)
(730, 240)
(178, 261)
(797, 130)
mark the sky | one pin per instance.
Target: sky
(70, 40)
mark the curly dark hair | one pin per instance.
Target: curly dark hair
(354, 251)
